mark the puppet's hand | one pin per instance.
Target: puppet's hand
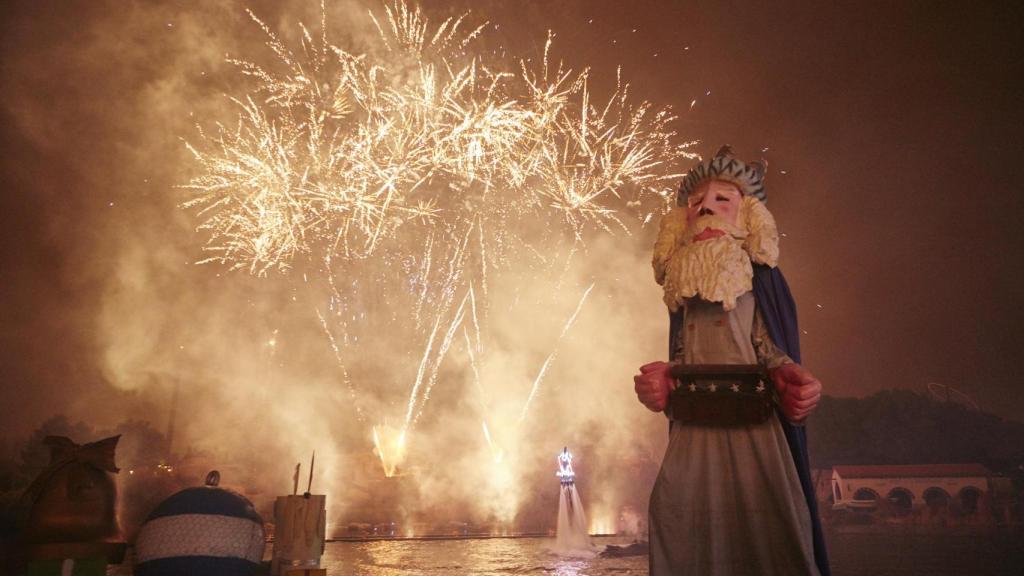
(798, 390)
(653, 384)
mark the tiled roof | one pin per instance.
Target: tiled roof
(913, 471)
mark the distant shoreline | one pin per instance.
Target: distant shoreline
(450, 537)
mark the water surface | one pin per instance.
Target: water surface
(853, 554)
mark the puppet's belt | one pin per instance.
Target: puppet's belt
(721, 395)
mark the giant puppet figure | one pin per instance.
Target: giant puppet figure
(734, 493)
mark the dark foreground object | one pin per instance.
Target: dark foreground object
(634, 549)
(67, 518)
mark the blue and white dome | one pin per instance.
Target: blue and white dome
(205, 531)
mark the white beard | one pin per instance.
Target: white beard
(716, 270)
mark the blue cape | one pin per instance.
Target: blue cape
(779, 313)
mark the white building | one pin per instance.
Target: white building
(939, 487)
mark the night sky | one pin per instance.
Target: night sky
(893, 133)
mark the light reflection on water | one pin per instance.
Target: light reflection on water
(497, 556)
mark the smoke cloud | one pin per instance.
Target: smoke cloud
(245, 366)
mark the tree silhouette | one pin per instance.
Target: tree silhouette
(901, 427)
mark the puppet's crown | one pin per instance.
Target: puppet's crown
(748, 177)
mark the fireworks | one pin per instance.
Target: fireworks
(410, 173)
(334, 153)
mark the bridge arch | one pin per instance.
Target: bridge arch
(936, 499)
(866, 495)
(901, 500)
(968, 499)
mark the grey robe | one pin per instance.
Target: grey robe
(727, 500)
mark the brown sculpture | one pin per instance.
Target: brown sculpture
(69, 511)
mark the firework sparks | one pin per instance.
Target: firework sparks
(336, 153)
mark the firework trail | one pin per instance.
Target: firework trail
(547, 362)
(390, 450)
(341, 365)
(496, 453)
(417, 398)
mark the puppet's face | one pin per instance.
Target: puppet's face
(713, 209)
(706, 249)
(711, 261)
